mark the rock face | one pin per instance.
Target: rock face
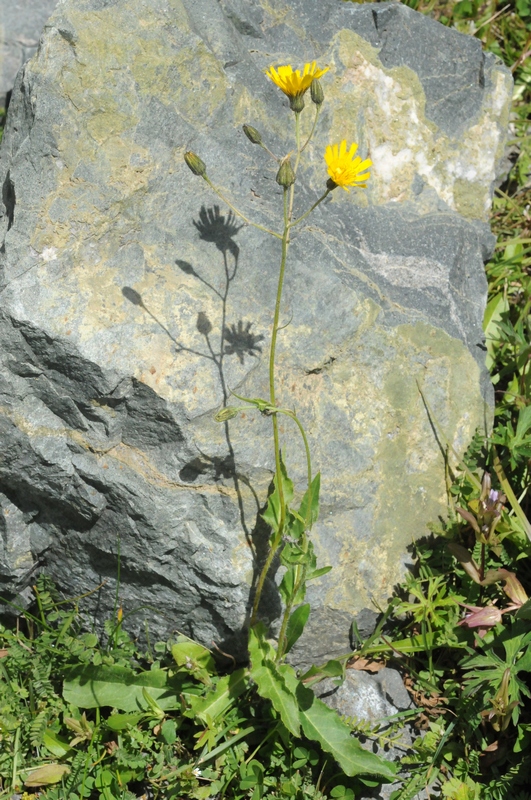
(21, 23)
(132, 301)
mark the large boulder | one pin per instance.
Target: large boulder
(21, 23)
(132, 301)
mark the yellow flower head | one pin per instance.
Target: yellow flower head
(343, 168)
(293, 83)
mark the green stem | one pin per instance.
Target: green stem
(278, 461)
(16, 752)
(272, 354)
(277, 538)
(306, 143)
(301, 571)
(299, 581)
(273, 156)
(239, 213)
(292, 224)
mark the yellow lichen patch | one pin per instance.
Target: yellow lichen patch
(248, 107)
(138, 461)
(278, 14)
(393, 468)
(384, 110)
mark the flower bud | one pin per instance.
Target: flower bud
(296, 103)
(197, 166)
(316, 92)
(285, 175)
(252, 134)
(226, 413)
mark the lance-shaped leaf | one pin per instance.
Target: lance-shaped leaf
(272, 514)
(481, 618)
(323, 725)
(92, 686)
(309, 508)
(47, 775)
(270, 682)
(296, 623)
(216, 703)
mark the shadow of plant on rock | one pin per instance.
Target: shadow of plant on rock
(222, 340)
(241, 341)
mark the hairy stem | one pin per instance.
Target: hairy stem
(275, 543)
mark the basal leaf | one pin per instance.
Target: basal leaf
(322, 724)
(190, 654)
(270, 682)
(92, 686)
(47, 775)
(216, 703)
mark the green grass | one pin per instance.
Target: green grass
(182, 727)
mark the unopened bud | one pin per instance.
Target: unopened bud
(196, 164)
(285, 175)
(229, 412)
(316, 92)
(252, 134)
(296, 103)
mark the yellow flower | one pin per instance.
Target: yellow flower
(293, 84)
(343, 168)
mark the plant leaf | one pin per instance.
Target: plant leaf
(218, 701)
(332, 669)
(270, 681)
(190, 654)
(44, 776)
(524, 612)
(497, 307)
(316, 573)
(296, 624)
(90, 686)
(314, 492)
(322, 724)
(272, 513)
(119, 722)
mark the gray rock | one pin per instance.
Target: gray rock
(21, 24)
(132, 301)
(364, 697)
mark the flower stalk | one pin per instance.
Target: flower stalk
(290, 527)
